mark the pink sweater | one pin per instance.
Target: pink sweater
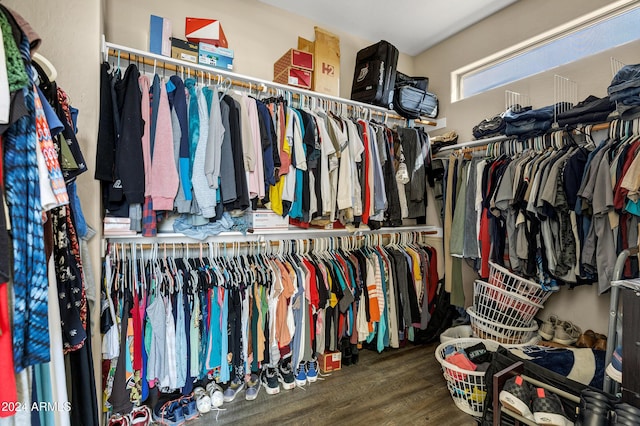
(164, 176)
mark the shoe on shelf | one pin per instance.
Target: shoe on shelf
(614, 369)
(285, 374)
(270, 381)
(140, 416)
(312, 370)
(566, 333)
(253, 387)
(547, 409)
(301, 374)
(586, 339)
(119, 420)
(548, 327)
(516, 396)
(216, 396)
(168, 413)
(203, 400)
(601, 342)
(189, 407)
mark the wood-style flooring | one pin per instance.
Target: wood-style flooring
(396, 387)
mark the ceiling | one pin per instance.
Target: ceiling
(411, 25)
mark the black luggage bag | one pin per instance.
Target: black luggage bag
(421, 83)
(412, 103)
(375, 74)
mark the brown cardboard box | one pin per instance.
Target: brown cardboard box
(295, 77)
(184, 50)
(326, 53)
(330, 361)
(293, 58)
(305, 45)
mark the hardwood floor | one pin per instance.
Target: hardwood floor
(397, 387)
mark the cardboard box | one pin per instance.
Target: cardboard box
(330, 361)
(326, 54)
(184, 50)
(267, 219)
(160, 36)
(206, 31)
(293, 58)
(295, 77)
(305, 45)
(218, 57)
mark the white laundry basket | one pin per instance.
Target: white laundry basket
(467, 388)
(459, 332)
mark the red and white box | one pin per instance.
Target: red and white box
(204, 30)
(293, 58)
(295, 77)
(330, 361)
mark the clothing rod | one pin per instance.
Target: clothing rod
(470, 144)
(111, 49)
(272, 235)
(254, 243)
(480, 142)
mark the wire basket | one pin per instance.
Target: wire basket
(503, 278)
(501, 306)
(467, 388)
(504, 334)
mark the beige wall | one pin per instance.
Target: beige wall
(70, 32)
(258, 33)
(519, 22)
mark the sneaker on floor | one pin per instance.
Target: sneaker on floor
(216, 396)
(301, 374)
(285, 374)
(312, 370)
(566, 333)
(547, 409)
(233, 389)
(253, 387)
(270, 381)
(140, 416)
(168, 413)
(614, 369)
(548, 327)
(516, 396)
(189, 407)
(203, 400)
(119, 420)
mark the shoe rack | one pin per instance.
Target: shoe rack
(499, 380)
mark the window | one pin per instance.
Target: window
(605, 29)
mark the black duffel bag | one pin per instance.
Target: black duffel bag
(412, 103)
(421, 83)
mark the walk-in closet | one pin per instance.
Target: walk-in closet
(299, 212)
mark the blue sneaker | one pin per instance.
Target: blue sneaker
(312, 371)
(253, 387)
(270, 381)
(189, 407)
(301, 375)
(234, 388)
(285, 374)
(614, 369)
(168, 413)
